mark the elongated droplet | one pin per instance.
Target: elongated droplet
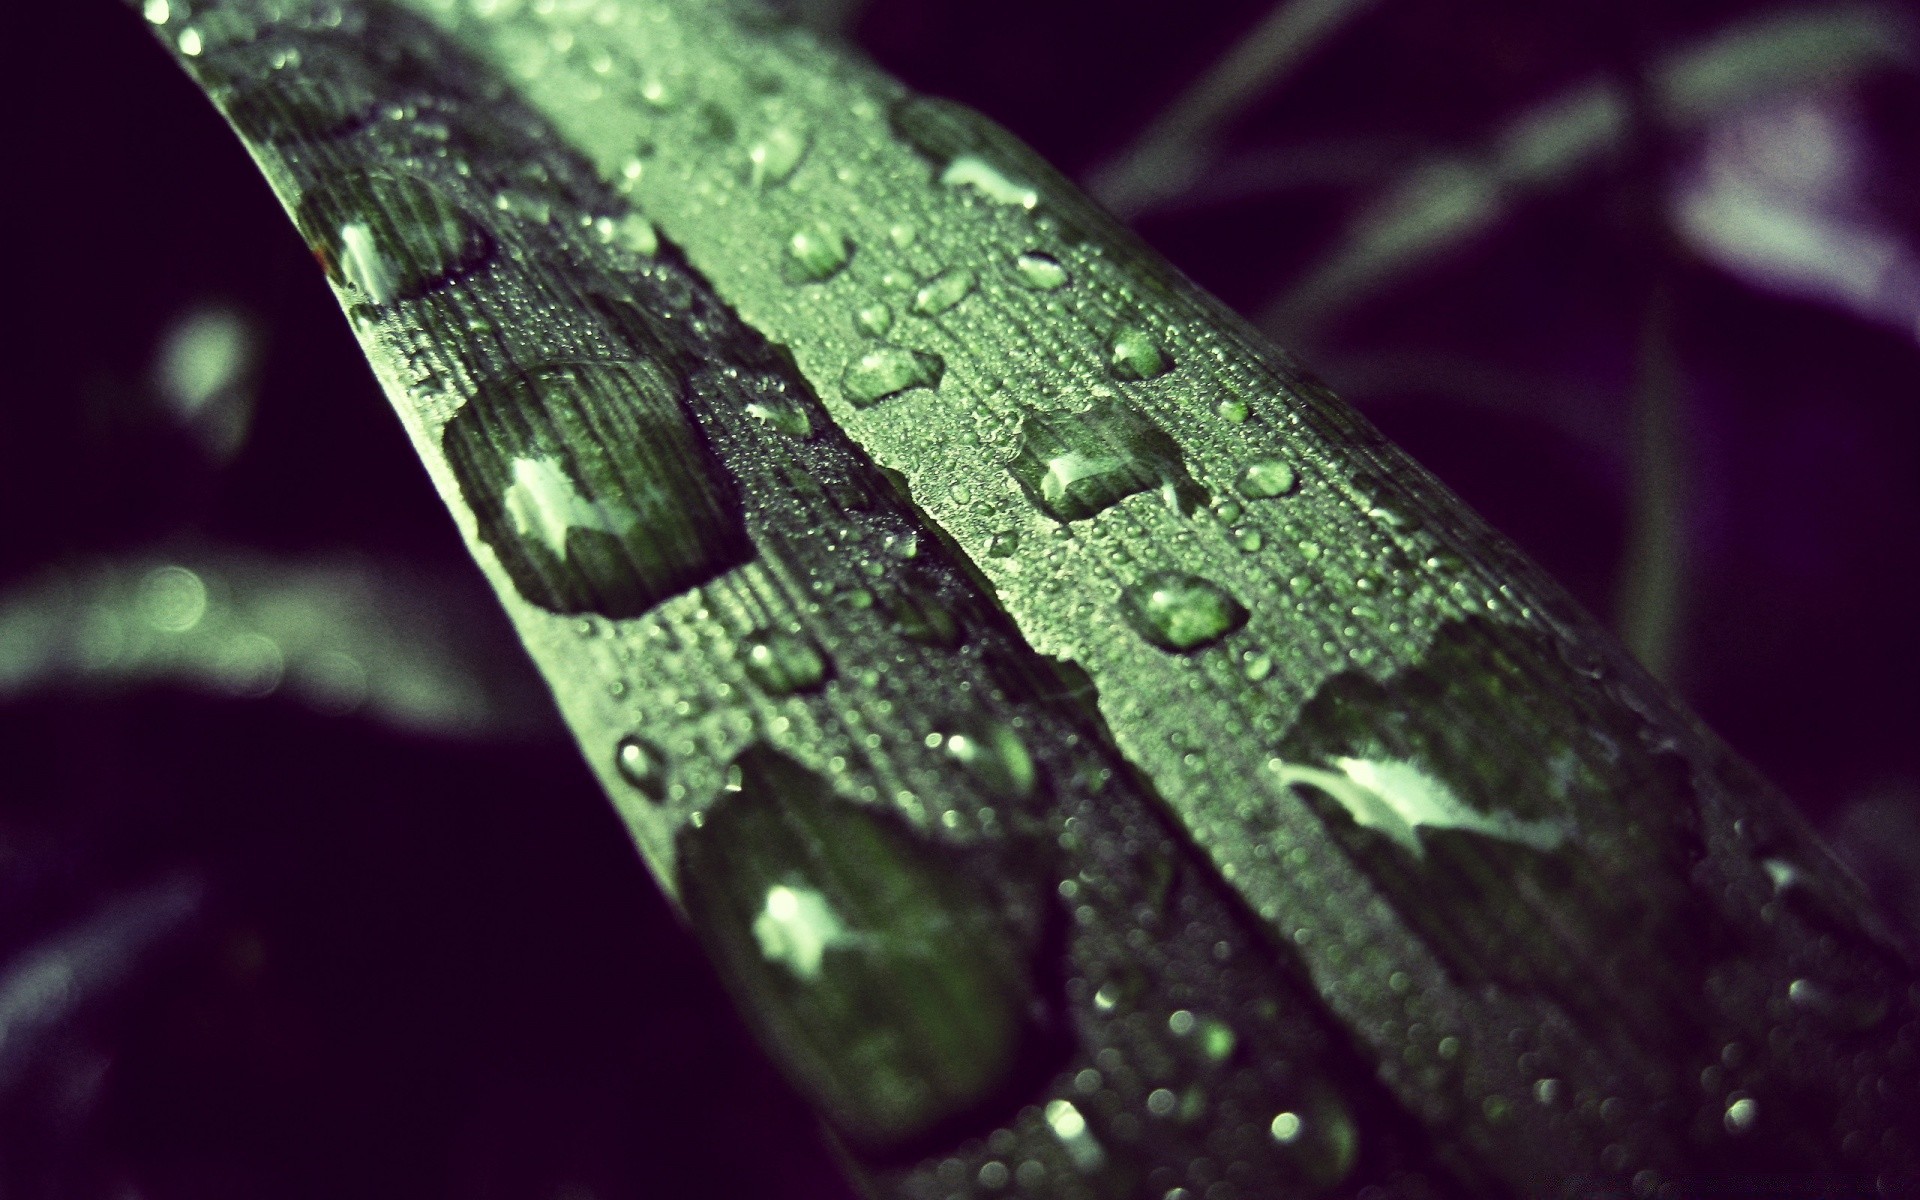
(775, 155)
(784, 663)
(888, 371)
(880, 973)
(641, 764)
(1266, 479)
(1041, 272)
(1181, 612)
(593, 488)
(943, 291)
(972, 171)
(995, 756)
(1134, 354)
(788, 418)
(1072, 466)
(816, 254)
(388, 237)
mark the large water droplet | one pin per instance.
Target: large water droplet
(388, 237)
(995, 756)
(784, 663)
(1039, 271)
(883, 974)
(1181, 612)
(641, 764)
(773, 157)
(943, 291)
(816, 254)
(1134, 354)
(1266, 479)
(888, 371)
(1073, 465)
(593, 488)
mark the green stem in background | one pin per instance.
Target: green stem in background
(1652, 590)
(1169, 155)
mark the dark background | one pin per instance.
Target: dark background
(251, 948)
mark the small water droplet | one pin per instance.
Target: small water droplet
(972, 171)
(846, 1002)
(816, 254)
(173, 599)
(943, 291)
(888, 371)
(1004, 544)
(388, 237)
(1856, 1008)
(1042, 272)
(1161, 1101)
(874, 320)
(1134, 354)
(641, 764)
(712, 123)
(1249, 540)
(787, 418)
(1179, 612)
(1257, 666)
(1070, 1127)
(1233, 410)
(159, 12)
(918, 617)
(1741, 1114)
(634, 234)
(784, 663)
(1072, 466)
(593, 488)
(1266, 479)
(1217, 1040)
(994, 755)
(775, 155)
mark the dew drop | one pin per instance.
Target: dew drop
(996, 758)
(943, 291)
(593, 488)
(920, 618)
(1004, 544)
(1217, 1040)
(972, 171)
(874, 320)
(641, 764)
(1041, 272)
(1070, 1127)
(1249, 540)
(1233, 410)
(1133, 354)
(782, 417)
(1072, 466)
(1179, 612)
(1266, 479)
(784, 663)
(816, 254)
(888, 371)
(636, 235)
(388, 237)
(773, 157)
(1257, 666)
(888, 980)
(1741, 1114)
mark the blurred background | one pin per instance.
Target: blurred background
(1640, 281)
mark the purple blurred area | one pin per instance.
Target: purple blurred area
(252, 945)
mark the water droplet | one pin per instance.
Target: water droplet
(634, 234)
(1857, 1008)
(892, 984)
(1234, 410)
(996, 757)
(1133, 354)
(1217, 1040)
(972, 171)
(1741, 1114)
(1004, 544)
(641, 764)
(1266, 479)
(775, 155)
(159, 12)
(712, 123)
(874, 320)
(1073, 465)
(784, 663)
(1319, 1137)
(1547, 1091)
(1257, 666)
(994, 1175)
(888, 371)
(1039, 271)
(943, 291)
(920, 618)
(1286, 1128)
(1248, 540)
(1178, 612)
(785, 417)
(1161, 1101)
(1070, 1127)
(816, 254)
(593, 488)
(173, 599)
(388, 237)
